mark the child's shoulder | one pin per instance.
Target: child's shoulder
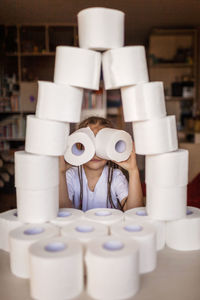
(72, 172)
(117, 172)
(119, 177)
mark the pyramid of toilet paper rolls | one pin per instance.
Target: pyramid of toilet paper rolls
(56, 248)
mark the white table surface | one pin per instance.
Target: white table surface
(177, 277)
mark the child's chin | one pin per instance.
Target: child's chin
(96, 164)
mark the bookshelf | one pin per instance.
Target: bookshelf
(28, 55)
(173, 59)
(94, 103)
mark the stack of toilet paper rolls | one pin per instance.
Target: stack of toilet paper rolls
(144, 106)
(56, 268)
(37, 186)
(166, 184)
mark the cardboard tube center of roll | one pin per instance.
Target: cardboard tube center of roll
(34, 230)
(64, 214)
(141, 213)
(15, 214)
(55, 247)
(120, 146)
(189, 212)
(133, 228)
(103, 213)
(113, 245)
(84, 228)
(78, 149)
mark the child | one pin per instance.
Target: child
(98, 183)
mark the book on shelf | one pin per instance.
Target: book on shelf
(4, 146)
(10, 104)
(93, 99)
(114, 102)
(12, 127)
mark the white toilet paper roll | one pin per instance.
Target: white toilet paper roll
(59, 102)
(184, 234)
(77, 67)
(45, 136)
(145, 235)
(36, 171)
(113, 144)
(166, 203)
(168, 169)
(67, 216)
(56, 269)
(112, 268)
(84, 231)
(8, 221)
(144, 101)
(140, 214)
(101, 28)
(124, 66)
(105, 216)
(85, 138)
(155, 136)
(36, 206)
(20, 241)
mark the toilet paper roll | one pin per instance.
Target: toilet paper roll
(140, 214)
(67, 216)
(145, 235)
(84, 137)
(46, 137)
(20, 241)
(112, 268)
(124, 66)
(36, 171)
(36, 206)
(144, 101)
(84, 231)
(113, 144)
(101, 28)
(8, 221)
(105, 216)
(168, 169)
(155, 136)
(77, 67)
(166, 203)
(56, 269)
(59, 102)
(184, 234)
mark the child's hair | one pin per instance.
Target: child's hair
(111, 166)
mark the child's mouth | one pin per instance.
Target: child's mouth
(95, 160)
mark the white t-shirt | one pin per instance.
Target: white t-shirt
(98, 197)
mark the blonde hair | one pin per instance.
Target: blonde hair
(111, 166)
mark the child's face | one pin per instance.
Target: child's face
(96, 162)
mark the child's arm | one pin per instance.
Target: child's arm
(135, 197)
(64, 200)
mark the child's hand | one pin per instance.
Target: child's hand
(130, 164)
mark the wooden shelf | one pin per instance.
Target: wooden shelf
(17, 112)
(172, 65)
(180, 31)
(168, 98)
(186, 131)
(12, 139)
(12, 54)
(37, 54)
